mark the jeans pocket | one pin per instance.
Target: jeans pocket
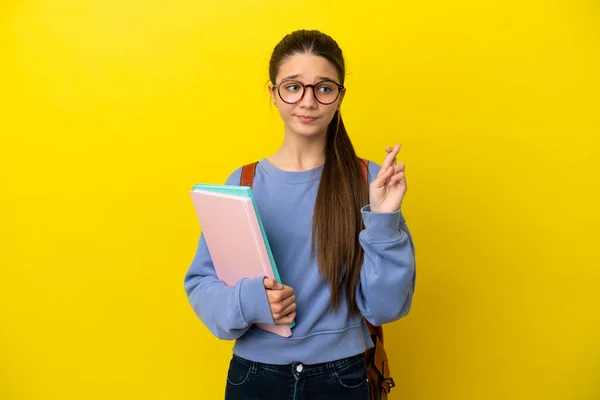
(354, 375)
(240, 372)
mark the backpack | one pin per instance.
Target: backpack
(378, 370)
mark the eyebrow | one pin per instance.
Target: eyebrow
(320, 78)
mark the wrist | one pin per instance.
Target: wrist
(382, 210)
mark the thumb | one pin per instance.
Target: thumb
(271, 283)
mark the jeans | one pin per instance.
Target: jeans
(342, 379)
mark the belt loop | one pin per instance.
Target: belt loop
(333, 373)
(253, 367)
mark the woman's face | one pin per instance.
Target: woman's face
(307, 117)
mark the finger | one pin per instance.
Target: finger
(288, 319)
(394, 160)
(399, 177)
(400, 167)
(272, 284)
(289, 309)
(284, 311)
(268, 283)
(290, 300)
(390, 159)
(383, 177)
(384, 170)
(287, 292)
(281, 305)
(389, 150)
(273, 296)
(277, 295)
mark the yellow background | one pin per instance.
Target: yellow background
(111, 110)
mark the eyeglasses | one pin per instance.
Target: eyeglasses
(325, 92)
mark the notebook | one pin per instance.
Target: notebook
(244, 191)
(235, 237)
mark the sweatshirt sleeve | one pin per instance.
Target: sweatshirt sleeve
(227, 311)
(388, 274)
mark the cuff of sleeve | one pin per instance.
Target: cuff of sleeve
(382, 227)
(254, 303)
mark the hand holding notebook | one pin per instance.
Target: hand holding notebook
(282, 301)
(235, 237)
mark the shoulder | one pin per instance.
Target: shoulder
(235, 176)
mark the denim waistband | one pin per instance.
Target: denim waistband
(331, 367)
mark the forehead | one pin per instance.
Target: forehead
(309, 68)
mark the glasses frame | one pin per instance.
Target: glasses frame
(278, 87)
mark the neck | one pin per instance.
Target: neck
(300, 153)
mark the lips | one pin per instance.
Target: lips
(306, 118)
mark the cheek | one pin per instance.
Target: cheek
(285, 110)
(330, 113)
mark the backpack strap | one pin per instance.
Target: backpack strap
(248, 172)
(364, 164)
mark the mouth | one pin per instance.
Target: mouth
(306, 118)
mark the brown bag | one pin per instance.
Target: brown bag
(380, 381)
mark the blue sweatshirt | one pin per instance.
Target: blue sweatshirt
(286, 202)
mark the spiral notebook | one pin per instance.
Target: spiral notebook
(235, 237)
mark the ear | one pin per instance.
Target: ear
(273, 94)
(342, 93)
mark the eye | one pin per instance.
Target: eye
(291, 87)
(325, 88)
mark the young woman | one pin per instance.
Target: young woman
(343, 249)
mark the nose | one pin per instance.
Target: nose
(308, 99)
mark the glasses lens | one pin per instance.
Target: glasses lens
(327, 92)
(291, 91)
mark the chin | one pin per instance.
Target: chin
(310, 131)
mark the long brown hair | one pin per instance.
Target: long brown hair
(337, 220)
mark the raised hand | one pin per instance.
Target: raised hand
(389, 187)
